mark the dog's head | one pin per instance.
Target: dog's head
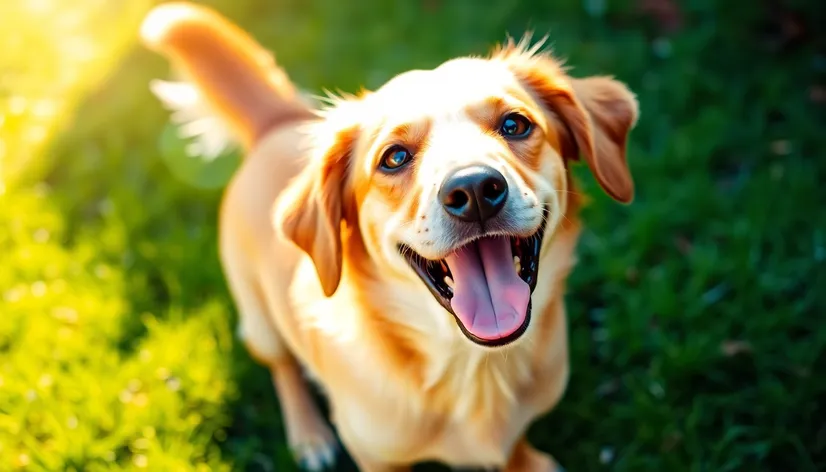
(455, 176)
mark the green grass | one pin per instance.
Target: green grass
(696, 313)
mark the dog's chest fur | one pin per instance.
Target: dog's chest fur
(405, 394)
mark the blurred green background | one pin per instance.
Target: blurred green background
(696, 314)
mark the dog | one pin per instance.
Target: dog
(405, 248)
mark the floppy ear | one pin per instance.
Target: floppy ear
(310, 211)
(613, 112)
(599, 113)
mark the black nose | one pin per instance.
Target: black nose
(474, 193)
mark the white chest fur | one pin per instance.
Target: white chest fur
(470, 416)
(466, 406)
(472, 407)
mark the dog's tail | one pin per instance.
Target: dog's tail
(232, 90)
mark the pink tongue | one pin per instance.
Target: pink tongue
(489, 298)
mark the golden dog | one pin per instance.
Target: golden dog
(408, 247)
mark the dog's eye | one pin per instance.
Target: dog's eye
(395, 158)
(515, 125)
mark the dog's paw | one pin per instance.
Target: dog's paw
(316, 449)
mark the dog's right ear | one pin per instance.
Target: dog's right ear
(310, 211)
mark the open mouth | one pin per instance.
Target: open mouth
(486, 285)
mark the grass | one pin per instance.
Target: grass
(695, 313)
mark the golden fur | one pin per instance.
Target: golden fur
(309, 233)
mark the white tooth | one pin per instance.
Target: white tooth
(517, 264)
(449, 281)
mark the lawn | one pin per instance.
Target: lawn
(696, 313)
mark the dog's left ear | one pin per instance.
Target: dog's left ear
(313, 206)
(599, 113)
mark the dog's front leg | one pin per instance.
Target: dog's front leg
(525, 458)
(311, 440)
(366, 465)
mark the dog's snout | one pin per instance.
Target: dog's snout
(474, 193)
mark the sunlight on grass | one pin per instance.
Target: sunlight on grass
(71, 396)
(52, 53)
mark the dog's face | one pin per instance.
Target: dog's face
(455, 176)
